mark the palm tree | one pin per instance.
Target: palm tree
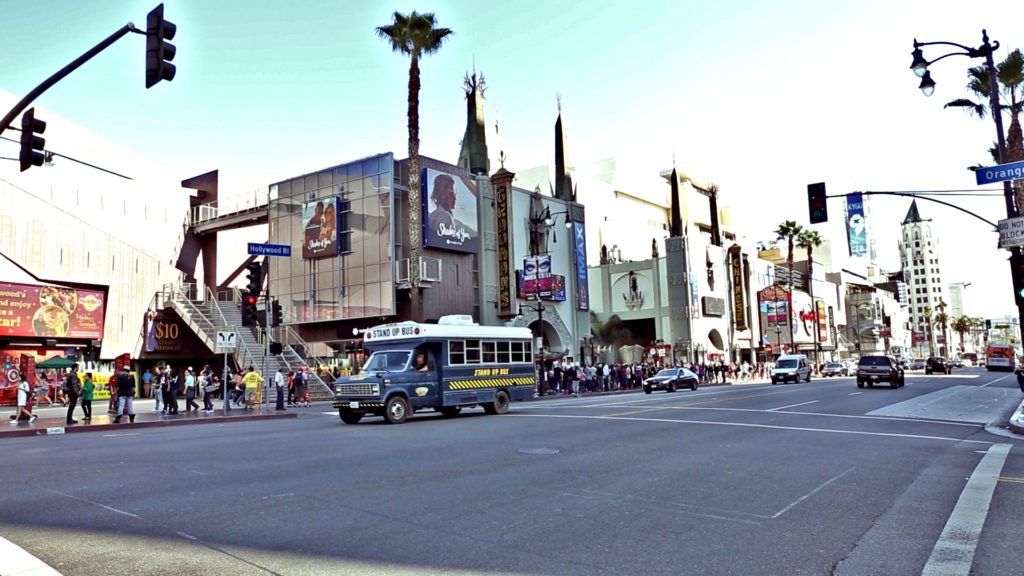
(940, 320)
(788, 231)
(1010, 77)
(810, 239)
(414, 35)
(961, 325)
(928, 323)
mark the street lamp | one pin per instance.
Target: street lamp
(920, 67)
(540, 221)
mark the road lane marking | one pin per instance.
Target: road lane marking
(811, 493)
(954, 552)
(748, 425)
(93, 502)
(1009, 479)
(790, 406)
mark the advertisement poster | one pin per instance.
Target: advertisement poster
(450, 212)
(163, 332)
(582, 284)
(320, 228)
(856, 227)
(34, 310)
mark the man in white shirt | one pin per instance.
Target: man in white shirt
(280, 384)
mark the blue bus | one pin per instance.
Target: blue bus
(444, 367)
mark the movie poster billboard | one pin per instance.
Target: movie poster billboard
(32, 310)
(856, 226)
(449, 212)
(320, 228)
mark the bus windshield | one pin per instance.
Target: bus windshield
(387, 361)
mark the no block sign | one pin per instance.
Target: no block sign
(1011, 232)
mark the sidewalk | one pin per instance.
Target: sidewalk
(1017, 420)
(52, 420)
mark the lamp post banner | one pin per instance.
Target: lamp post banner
(856, 227)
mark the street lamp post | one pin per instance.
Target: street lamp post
(540, 222)
(920, 68)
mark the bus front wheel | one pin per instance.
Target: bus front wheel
(349, 417)
(396, 410)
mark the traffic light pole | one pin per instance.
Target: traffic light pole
(5, 123)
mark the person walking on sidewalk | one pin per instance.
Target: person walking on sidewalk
(125, 394)
(24, 389)
(252, 380)
(157, 390)
(208, 386)
(171, 402)
(280, 383)
(87, 389)
(72, 387)
(190, 391)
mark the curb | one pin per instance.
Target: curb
(58, 430)
(1017, 420)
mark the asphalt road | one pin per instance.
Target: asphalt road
(811, 478)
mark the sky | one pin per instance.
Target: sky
(760, 98)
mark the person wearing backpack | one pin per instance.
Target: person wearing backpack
(72, 387)
(206, 381)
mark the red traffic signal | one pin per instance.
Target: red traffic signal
(816, 203)
(251, 300)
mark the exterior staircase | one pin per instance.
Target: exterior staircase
(209, 315)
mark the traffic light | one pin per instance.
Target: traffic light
(31, 145)
(275, 314)
(250, 314)
(988, 324)
(159, 52)
(276, 348)
(1017, 268)
(254, 275)
(816, 202)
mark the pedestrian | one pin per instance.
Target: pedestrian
(147, 382)
(251, 382)
(172, 392)
(279, 382)
(125, 382)
(190, 391)
(300, 388)
(23, 392)
(72, 388)
(157, 390)
(208, 386)
(238, 394)
(87, 390)
(291, 387)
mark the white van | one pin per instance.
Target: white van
(791, 368)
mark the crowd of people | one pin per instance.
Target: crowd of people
(568, 377)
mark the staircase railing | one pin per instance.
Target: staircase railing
(292, 337)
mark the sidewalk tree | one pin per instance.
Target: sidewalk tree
(415, 35)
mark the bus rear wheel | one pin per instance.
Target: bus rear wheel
(396, 410)
(500, 404)
(350, 417)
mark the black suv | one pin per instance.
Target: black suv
(937, 365)
(872, 369)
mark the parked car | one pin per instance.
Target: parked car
(671, 379)
(835, 369)
(791, 367)
(878, 369)
(937, 365)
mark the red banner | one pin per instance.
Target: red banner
(50, 311)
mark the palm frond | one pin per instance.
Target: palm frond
(973, 108)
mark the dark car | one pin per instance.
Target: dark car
(671, 379)
(937, 365)
(878, 369)
(834, 369)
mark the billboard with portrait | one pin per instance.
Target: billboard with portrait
(450, 219)
(320, 228)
